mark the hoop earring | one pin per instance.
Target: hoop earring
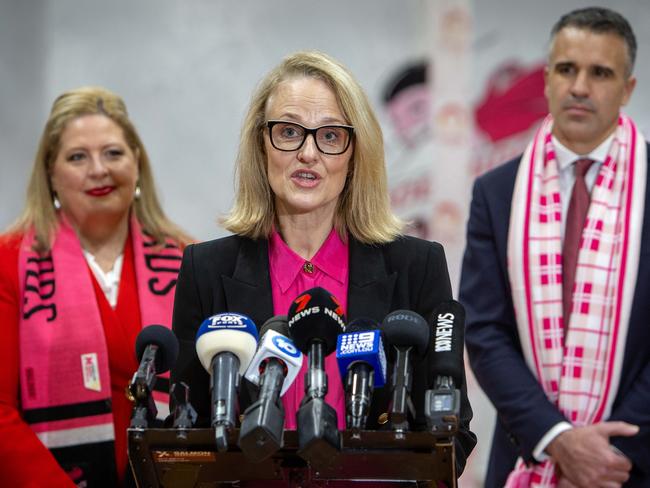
(137, 193)
(56, 202)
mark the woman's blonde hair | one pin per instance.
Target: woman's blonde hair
(363, 207)
(39, 212)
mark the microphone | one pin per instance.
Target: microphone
(275, 345)
(274, 368)
(225, 344)
(315, 321)
(156, 347)
(408, 334)
(442, 403)
(362, 362)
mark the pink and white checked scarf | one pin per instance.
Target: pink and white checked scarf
(579, 369)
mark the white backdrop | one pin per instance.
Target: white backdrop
(186, 70)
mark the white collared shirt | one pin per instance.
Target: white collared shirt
(565, 159)
(109, 281)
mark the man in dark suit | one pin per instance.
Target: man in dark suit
(554, 277)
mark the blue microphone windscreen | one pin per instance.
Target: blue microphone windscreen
(225, 321)
(363, 346)
(227, 332)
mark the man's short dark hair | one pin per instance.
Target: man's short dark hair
(600, 20)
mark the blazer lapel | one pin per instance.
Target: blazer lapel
(249, 290)
(370, 286)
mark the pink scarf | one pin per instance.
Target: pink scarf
(579, 369)
(64, 371)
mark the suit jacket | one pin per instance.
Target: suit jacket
(232, 274)
(524, 412)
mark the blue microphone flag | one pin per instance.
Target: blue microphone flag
(365, 346)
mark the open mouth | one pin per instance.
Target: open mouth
(306, 179)
(305, 175)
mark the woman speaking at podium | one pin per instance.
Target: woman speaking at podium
(311, 209)
(76, 274)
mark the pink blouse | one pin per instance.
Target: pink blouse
(290, 276)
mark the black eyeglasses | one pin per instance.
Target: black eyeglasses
(330, 139)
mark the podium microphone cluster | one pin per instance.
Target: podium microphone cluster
(315, 321)
(442, 403)
(408, 335)
(273, 368)
(225, 345)
(362, 363)
(156, 348)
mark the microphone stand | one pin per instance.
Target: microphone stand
(224, 396)
(316, 384)
(401, 403)
(357, 404)
(261, 432)
(318, 437)
(184, 414)
(144, 379)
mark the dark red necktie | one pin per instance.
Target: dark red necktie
(575, 222)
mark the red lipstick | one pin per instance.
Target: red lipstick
(100, 191)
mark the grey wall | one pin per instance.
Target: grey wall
(23, 100)
(186, 71)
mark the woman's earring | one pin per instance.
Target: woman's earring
(137, 192)
(56, 202)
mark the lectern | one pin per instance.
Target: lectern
(187, 458)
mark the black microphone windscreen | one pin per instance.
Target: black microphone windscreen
(404, 328)
(448, 320)
(167, 344)
(362, 324)
(278, 323)
(316, 315)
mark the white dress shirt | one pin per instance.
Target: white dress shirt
(109, 281)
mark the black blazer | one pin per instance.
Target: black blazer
(524, 412)
(232, 274)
